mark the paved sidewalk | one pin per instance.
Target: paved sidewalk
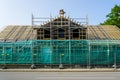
(59, 70)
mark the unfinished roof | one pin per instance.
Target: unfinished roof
(103, 32)
(17, 33)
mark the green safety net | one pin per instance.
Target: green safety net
(82, 52)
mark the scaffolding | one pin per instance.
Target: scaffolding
(99, 53)
(60, 41)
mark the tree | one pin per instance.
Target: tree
(113, 18)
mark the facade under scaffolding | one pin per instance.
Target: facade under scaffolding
(61, 41)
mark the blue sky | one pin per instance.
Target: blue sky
(18, 12)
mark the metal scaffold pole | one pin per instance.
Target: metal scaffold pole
(89, 58)
(115, 61)
(89, 46)
(69, 41)
(4, 55)
(115, 65)
(61, 54)
(87, 21)
(108, 53)
(32, 65)
(51, 40)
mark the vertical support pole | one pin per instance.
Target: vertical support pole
(69, 41)
(51, 40)
(32, 23)
(108, 52)
(32, 41)
(87, 36)
(61, 65)
(12, 53)
(89, 58)
(87, 20)
(115, 61)
(4, 54)
(60, 58)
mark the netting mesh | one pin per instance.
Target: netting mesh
(82, 52)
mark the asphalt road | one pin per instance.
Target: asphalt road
(59, 75)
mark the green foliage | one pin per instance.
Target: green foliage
(113, 18)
